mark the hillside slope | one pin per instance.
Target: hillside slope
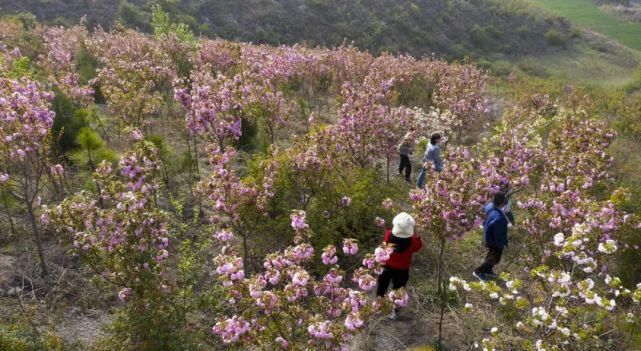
(449, 28)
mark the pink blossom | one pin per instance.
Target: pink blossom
(329, 255)
(350, 247)
(353, 322)
(399, 297)
(283, 343)
(382, 254)
(136, 134)
(232, 329)
(320, 330)
(224, 235)
(125, 294)
(300, 278)
(298, 220)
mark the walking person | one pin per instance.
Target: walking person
(494, 237)
(432, 155)
(397, 268)
(405, 149)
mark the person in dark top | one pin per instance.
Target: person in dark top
(405, 149)
(494, 237)
(397, 267)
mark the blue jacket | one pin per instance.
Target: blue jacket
(433, 153)
(494, 227)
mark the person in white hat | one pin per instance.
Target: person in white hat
(397, 268)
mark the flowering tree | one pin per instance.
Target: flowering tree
(214, 105)
(565, 303)
(368, 128)
(450, 206)
(25, 125)
(62, 47)
(461, 92)
(567, 295)
(135, 70)
(124, 236)
(287, 307)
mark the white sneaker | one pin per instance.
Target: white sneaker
(392, 315)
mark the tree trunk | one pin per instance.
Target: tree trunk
(245, 254)
(442, 291)
(6, 208)
(387, 161)
(36, 235)
(440, 266)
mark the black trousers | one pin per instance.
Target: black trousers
(493, 257)
(405, 164)
(398, 277)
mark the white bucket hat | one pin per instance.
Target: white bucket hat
(403, 226)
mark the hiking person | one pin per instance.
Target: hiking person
(432, 154)
(405, 149)
(494, 237)
(397, 267)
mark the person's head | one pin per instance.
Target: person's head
(403, 226)
(499, 199)
(435, 138)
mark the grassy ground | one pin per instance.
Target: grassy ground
(587, 14)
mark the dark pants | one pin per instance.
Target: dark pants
(407, 165)
(398, 277)
(493, 257)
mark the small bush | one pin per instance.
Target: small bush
(556, 38)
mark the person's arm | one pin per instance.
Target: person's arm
(417, 244)
(438, 162)
(490, 234)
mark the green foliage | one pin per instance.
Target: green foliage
(21, 68)
(86, 65)
(532, 67)
(91, 149)
(329, 220)
(19, 337)
(157, 325)
(418, 27)
(252, 138)
(133, 16)
(556, 38)
(588, 14)
(69, 120)
(163, 25)
(484, 35)
(628, 258)
(170, 165)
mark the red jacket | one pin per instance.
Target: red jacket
(403, 260)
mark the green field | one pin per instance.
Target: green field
(587, 14)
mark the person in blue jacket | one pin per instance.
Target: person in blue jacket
(432, 154)
(494, 237)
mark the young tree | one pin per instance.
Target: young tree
(25, 125)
